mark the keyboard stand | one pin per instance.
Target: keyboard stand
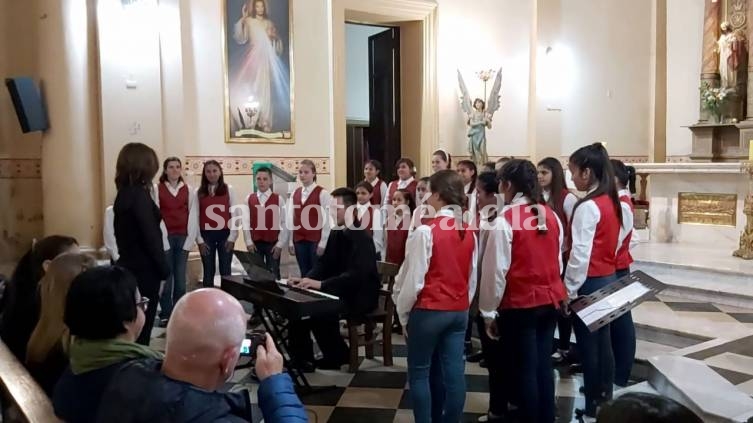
(280, 336)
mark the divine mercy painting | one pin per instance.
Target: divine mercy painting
(258, 62)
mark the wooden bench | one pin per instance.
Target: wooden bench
(22, 400)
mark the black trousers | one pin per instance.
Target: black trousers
(326, 330)
(528, 334)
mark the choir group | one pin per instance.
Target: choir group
(504, 248)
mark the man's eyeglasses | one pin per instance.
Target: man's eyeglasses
(143, 303)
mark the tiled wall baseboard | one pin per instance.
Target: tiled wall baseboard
(243, 165)
(20, 168)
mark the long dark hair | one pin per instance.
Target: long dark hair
(136, 166)
(448, 185)
(521, 174)
(221, 186)
(163, 177)
(596, 158)
(557, 187)
(472, 166)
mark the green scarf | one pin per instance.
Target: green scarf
(89, 355)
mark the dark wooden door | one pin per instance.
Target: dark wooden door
(383, 142)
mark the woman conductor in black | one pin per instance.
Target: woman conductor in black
(137, 225)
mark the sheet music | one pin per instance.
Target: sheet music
(284, 282)
(604, 307)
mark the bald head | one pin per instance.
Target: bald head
(204, 324)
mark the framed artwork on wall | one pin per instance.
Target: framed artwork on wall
(257, 46)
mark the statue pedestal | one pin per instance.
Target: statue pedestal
(721, 142)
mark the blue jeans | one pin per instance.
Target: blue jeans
(175, 285)
(529, 334)
(436, 366)
(305, 255)
(623, 343)
(264, 249)
(216, 241)
(595, 350)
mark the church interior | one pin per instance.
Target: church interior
(665, 86)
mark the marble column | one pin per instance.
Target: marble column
(709, 57)
(71, 178)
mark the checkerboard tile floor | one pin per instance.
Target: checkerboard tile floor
(378, 394)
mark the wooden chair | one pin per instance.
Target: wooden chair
(382, 314)
(22, 399)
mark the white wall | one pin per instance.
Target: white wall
(598, 74)
(478, 35)
(684, 47)
(357, 69)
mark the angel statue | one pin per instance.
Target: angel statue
(479, 115)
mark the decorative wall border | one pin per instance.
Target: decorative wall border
(679, 159)
(243, 165)
(20, 168)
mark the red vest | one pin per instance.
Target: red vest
(411, 188)
(624, 259)
(266, 229)
(174, 209)
(565, 227)
(534, 276)
(396, 239)
(311, 217)
(605, 240)
(446, 282)
(376, 195)
(209, 212)
(366, 221)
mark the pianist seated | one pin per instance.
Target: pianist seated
(347, 269)
(204, 336)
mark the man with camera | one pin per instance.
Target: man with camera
(204, 337)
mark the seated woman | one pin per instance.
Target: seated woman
(20, 306)
(104, 312)
(47, 351)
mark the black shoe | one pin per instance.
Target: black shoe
(162, 323)
(483, 364)
(329, 364)
(475, 358)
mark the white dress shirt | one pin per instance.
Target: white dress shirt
(324, 200)
(401, 184)
(497, 259)
(236, 216)
(282, 239)
(410, 279)
(582, 232)
(193, 208)
(108, 233)
(627, 226)
(377, 226)
(568, 203)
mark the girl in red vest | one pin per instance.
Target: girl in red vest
(177, 203)
(594, 234)
(440, 160)
(307, 209)
(433, 291)
(369, 215)
(397, 226)
(521, 286)
(217, 233)
(405, 173)
(623, 329)
(551, 177)
(422, 189)
(265, 232)
(372, 173)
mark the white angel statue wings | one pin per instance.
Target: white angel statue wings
(479, 115)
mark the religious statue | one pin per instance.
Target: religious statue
(479, 114)
(732, 54)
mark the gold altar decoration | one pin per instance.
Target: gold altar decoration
(707, 209)
(746, 236)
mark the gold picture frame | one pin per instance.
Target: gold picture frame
(245, 122)
(700, 208)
